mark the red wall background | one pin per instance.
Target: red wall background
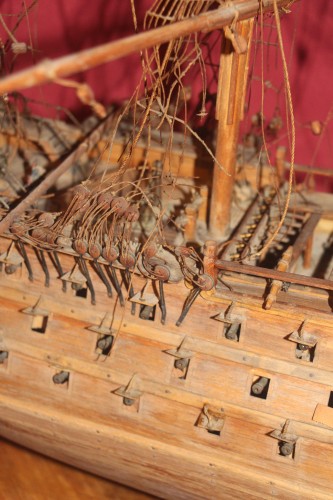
(58, 27)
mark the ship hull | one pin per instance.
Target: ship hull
(161, 443)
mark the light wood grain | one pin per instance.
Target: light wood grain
(155, 445)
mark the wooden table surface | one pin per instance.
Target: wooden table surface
(25, 475)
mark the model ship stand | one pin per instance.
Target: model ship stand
(185, 378)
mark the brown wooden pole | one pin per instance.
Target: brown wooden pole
(190, 227)
(274, 274)
(229, 111)
(307, 256)
(210, 252)
(202, 214)
(280, 161)
(48, 70)
(276, 285)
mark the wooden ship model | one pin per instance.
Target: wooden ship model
(183, 360)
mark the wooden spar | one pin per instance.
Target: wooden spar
(284, 276)
(48, 71)
(229, 111)
(50, 179)
(307, 169)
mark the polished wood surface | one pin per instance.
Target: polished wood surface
(156, 444)
(25, 475)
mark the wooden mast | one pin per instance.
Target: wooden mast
(229, 112)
